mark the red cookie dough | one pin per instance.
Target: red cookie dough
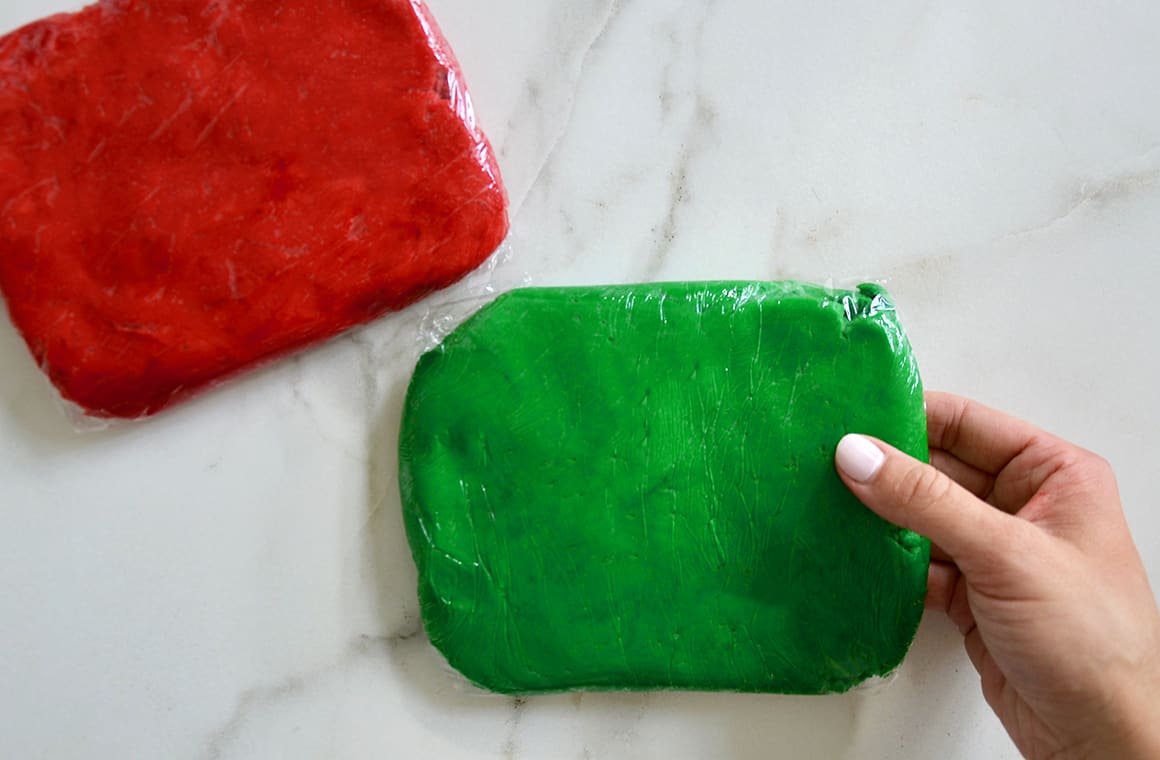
(190, 187)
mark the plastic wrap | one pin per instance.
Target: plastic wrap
(185, 194)
(632, 487)
(441, 315)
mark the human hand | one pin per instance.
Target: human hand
(1033, 562)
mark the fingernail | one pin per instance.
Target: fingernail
(859, 458)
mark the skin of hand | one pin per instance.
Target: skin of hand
(1033, 561)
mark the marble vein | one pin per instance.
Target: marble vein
(695, 140)
(1119, 187)
(360, 649)
(510, 747)
(700, 126)
(532, 102)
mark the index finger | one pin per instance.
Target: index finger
(978, 435)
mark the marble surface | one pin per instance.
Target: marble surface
(230, 580)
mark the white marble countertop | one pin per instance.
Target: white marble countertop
(231, 580)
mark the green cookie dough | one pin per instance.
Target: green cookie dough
(633, 487)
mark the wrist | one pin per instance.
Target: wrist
(1140, 713)
(1122, 716)
(1148, 721)
(1140, 740)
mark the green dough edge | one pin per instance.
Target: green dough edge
(632, 487)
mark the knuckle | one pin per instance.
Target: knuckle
(1095, 470)
(921, 485)
(1097, 464)
(1066, 455)
(945, 419)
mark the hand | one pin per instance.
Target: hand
(1033, 561)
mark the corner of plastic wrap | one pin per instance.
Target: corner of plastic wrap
(866, 301)
(475, 291)
(877, 684)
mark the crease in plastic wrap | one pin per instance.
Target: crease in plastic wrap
(443, 313)
(191, 188)
(632, 488)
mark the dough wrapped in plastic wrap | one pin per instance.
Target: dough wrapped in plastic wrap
(633, 487)
(191, 187)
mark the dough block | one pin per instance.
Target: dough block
(633, 487)
(191, 187)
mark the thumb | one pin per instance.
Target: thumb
(914, 495)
